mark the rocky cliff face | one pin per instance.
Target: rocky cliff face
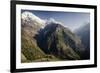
(60, 41)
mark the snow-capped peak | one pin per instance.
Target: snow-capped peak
(27, 14)
(29, 17)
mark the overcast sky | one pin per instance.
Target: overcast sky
(73, 20)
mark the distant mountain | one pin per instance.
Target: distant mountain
(84, 34)
(48, 40)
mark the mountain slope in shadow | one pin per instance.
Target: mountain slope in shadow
(60, 41)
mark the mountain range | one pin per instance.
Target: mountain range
(48, 40)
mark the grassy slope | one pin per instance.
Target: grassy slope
(31, 52)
